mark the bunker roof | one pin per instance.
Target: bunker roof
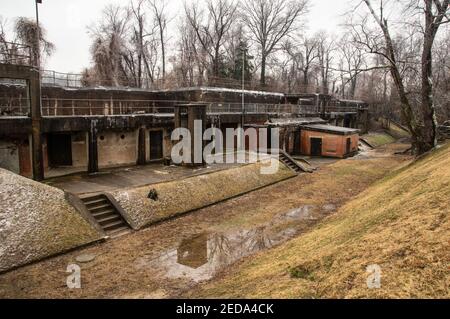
(337, 130)
(295, 121)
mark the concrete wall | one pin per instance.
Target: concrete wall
(332, 145)
(9, 156)
(80, 150)
(15, 157)
(117, 148)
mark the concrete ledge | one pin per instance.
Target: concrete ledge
(182, 196)
(38, 221)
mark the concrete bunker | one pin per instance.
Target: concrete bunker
(329, 141)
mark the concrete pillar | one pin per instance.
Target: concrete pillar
(93, 149)
(141, 146)
(37, 157)
(186, 116)
(197, 112)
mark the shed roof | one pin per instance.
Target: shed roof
(295, 121)
(338, 130)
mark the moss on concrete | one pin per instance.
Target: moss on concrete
(36, 221)
(177, 197)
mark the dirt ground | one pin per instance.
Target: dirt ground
(171, 258)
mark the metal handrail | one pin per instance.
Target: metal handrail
(15, 53)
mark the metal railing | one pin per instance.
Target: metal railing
(14, 106)
(106, 107)
(74, 80)
(342, 109)
(68, 80)
(258, 108)
(15, 53)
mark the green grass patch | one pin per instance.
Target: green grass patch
(379, 139)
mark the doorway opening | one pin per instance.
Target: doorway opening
(156, 145)
(316, 146)
(59, 149)
(349, 146)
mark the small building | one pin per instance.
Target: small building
(329, 141)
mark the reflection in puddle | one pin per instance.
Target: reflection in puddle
(200, 257)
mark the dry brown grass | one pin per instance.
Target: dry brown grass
(400, 223)
(332, 184)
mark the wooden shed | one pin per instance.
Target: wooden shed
(329, 141)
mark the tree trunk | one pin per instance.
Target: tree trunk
(163, 52)
(305, 79)
(263, 70)
(429, 128)
(353, 87)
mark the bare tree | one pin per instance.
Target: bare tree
(212, 30)
(191, 61)
(441, 77)
(27, 32)
(325, 49)
(108, 47)
(303, 57)
(353, 63)
(158, 7)
(138, 40)
(434, 13)
(270, 21)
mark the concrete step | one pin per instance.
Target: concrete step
(105, 213)
(119, 232)
(105, 220)
(113, 225)
(92, 198)
(100, 208)
(96, 202)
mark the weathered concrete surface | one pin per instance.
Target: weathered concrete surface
(177, 197)
(37, 221)
(9, 156)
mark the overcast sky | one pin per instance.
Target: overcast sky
(66, 22)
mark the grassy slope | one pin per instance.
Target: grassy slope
(397, 131)
(378, 139)
(400, 223)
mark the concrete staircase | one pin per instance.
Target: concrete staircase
(294, 165)
(106, 215)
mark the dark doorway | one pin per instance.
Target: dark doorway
(59, 149)
(156, 145)
(269, 138)
(316, 146)
(349, 146)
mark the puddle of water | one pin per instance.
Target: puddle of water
(200, 257)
